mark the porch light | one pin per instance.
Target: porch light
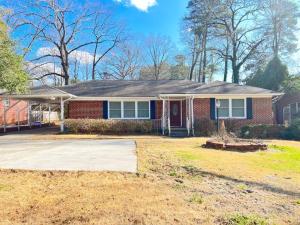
(52, 98)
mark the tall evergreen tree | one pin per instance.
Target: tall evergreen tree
(272, 77)
(13, 78)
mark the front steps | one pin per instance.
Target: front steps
(179, 132)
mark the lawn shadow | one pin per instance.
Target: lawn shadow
(193, 171)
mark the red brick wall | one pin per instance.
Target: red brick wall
(85, 109)
(201, 108)
(158, 109)
(262, 111)
(12, 114)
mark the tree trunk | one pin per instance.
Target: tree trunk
(226, 62)
(204, 56)
(235, 67)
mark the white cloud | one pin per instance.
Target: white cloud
(142, 5)
(36, 70)
(83, 57)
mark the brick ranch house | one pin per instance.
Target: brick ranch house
(173, 103)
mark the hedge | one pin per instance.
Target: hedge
(272, 131)
(101, 126)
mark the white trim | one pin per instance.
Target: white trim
(115, 98)
(136, 110)
(230, 108)
(269, 95)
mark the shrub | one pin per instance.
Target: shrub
(204, 127)
(99, 126)
(262, 131)
(293, 131)
(244, 220)
(232, 125)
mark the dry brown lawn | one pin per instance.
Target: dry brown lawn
(178, 183)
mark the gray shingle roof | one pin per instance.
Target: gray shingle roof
(142, 88)
(219, 87)
(126, 88)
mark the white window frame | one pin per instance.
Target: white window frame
(6, 102)
(230, 108)
(136, 110)
(290, 114)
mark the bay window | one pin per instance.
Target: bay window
(232, 108)
(129, 110)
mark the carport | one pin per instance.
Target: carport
(45, 97)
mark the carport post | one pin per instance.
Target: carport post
(18, 116)
(49, 111)
(4, 120)
(62, 116)
(29, 114)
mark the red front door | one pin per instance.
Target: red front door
(175, 113)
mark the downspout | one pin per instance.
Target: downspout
(192, 108)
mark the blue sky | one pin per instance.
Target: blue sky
(160, 17)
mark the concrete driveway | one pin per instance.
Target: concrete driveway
(74, 155)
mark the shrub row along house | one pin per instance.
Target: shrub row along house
(172, 105)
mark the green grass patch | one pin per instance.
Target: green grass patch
(242, 187)
(4, 187)
(187, 155)
(285, 158)
(244, 220)
(196, 198)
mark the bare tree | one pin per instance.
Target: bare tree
(158, 50)
(279, 21)
(60, 25)
(107, 36)
(124, 63)
(237, 18)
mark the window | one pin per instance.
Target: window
(286, 114)
(232, 108)
(238, 108)
(129, 110)
(115, 110)
(143, 110)
(224, 108)
(6, 102)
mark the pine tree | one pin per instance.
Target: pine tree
(272, 77)
(13, 78)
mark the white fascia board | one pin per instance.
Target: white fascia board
(39, 96)
(113, 98)
(269, 95)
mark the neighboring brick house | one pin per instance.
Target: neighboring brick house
(13, 107)
(288, 108)
(175, 104)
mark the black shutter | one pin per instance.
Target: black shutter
(153, 109)
(249, 108)
(105, 109)
(213, 109)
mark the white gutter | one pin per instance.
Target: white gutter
(221, 95)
